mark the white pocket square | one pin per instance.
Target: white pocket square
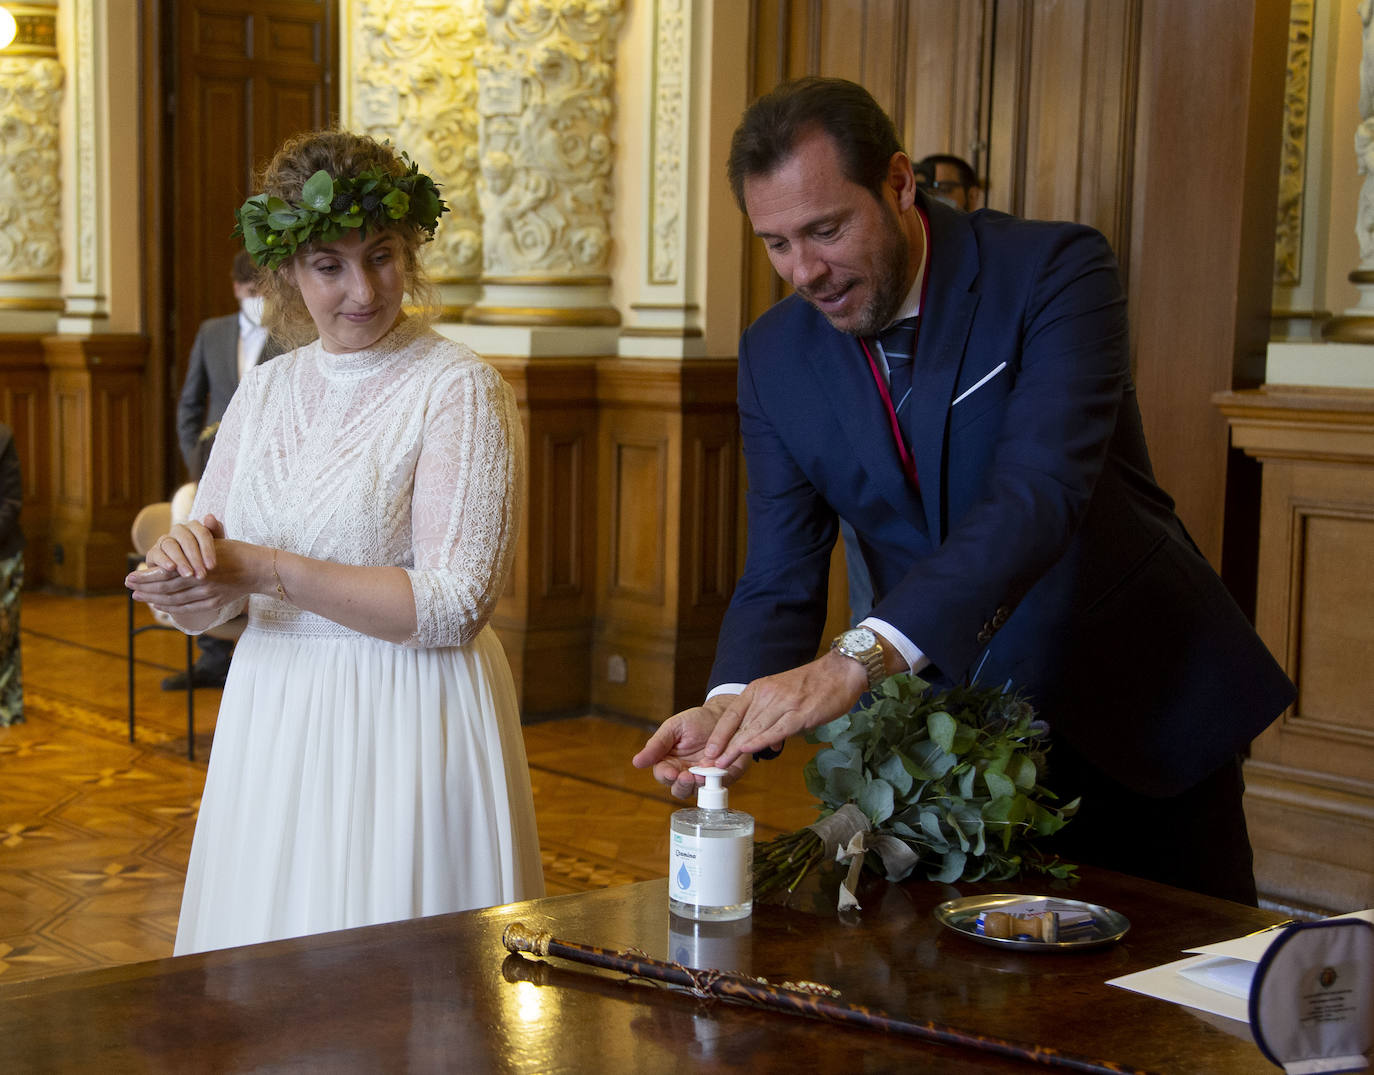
(982, 381)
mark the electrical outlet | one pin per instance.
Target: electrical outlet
(617, 670)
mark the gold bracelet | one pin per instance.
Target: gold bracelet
(281, 590)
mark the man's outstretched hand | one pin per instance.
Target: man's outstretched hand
(730, 727)
(680, 743)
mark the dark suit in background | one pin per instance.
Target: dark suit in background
(212, 375)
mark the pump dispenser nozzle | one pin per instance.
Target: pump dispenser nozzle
(711, 795)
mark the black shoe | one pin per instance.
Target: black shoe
(200, 677)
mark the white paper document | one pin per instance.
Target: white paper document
(1217, 978)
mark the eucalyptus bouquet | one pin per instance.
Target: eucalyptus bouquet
(943, 784)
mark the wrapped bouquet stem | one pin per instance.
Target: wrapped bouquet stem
(944, 785)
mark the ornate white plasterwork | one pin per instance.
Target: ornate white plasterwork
(1292, 162)
(545, 81)
(87, 192)
(414, 82)
(30, 168)
(1364, 138)
(669, 142)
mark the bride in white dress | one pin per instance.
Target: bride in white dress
(363, 501)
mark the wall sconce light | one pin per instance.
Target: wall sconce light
(7, 27)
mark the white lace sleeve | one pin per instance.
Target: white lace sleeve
(465, 514)
(212, 492)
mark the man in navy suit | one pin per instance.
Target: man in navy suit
(224, 347)
(1005, 507)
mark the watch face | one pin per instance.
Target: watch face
(859, 638)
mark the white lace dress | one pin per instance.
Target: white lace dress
(352, 780)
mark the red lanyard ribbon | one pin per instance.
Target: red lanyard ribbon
(903, 452)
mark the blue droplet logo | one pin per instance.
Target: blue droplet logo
(684, 877)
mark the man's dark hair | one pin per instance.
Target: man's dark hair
(774, 124)
(925, 168)
(244, 271)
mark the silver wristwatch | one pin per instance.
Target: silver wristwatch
(863, 646)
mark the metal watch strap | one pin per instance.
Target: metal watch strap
(873, 663)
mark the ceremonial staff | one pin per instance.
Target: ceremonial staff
(797, 998)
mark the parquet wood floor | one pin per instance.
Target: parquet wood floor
(95, 831)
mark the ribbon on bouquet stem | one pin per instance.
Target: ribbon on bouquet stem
(847, 836)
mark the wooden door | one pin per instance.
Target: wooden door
(243, 75)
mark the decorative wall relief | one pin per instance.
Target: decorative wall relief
(546, 85)
(30, 160)
(669, 142)
(1293, 153)
(414, 83)
(1364, 138)
(84, 289)
(32, 84)
(1356, 324)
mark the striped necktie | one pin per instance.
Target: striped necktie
(899, 344)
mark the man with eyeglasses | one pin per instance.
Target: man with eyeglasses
(950, 179)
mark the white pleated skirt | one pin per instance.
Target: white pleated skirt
(352, 781)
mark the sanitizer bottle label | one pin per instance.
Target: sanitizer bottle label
(709, 871)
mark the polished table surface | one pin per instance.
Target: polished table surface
(442, 994)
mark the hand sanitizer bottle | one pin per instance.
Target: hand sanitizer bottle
(711, 857)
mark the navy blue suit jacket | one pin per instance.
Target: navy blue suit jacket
(1039, 550)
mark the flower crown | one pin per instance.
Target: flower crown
(273, 230)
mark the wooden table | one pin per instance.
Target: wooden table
(442, 994)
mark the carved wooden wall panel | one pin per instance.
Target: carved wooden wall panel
(709, 538)
(565, 497)
(1062, 128)
(636, 490)
(1310, 776)
(668, 517)
(95, 402)
(544, 618)
(638, 501)
(1334, 676)
(940, 108)
(712, 519)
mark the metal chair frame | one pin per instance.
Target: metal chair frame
(134, 560)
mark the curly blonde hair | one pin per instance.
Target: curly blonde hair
(343, 154)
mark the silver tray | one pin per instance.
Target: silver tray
(961, 916)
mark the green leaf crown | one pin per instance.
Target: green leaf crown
(273, 229)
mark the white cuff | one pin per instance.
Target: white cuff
(911, 653)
